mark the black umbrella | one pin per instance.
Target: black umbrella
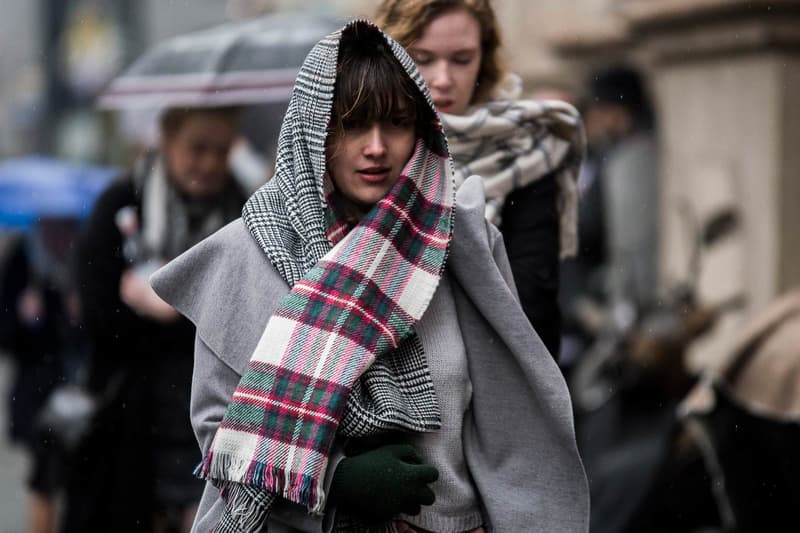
(247, 62)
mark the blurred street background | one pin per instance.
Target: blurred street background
(722, 80)
(13, 465)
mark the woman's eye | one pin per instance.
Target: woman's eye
(197, 149)
(422, 59)
(400, 121)
(351, 125)
(462, 60)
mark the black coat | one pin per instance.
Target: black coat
(142, 451)
(35, 347)
(531, 230)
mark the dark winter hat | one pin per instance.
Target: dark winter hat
(621, 85)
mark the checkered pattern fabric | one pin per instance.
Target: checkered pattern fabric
(245, 508)
(512, 143)
(340, 353)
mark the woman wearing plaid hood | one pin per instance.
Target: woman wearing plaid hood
(362, 362)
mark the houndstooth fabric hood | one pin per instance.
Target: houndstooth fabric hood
(286, 216)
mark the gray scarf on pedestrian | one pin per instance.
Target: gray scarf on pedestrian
(172, 223)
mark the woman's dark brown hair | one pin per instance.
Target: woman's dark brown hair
(372, 86)
(407, 20)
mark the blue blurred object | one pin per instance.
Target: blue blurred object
(38, 187)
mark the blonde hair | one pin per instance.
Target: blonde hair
(407, 20)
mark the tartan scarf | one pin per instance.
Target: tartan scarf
(340, 352)
(511, 143)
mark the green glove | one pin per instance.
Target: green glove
(384, 482)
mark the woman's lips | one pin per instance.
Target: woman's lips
(374, 174)
(443, 104)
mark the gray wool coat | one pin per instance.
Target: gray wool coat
(519, 438)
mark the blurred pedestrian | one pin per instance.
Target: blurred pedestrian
(39, 328)
(619, 129)
(583, 289)
(613, 279)
(625, 410)
(527, 152)
(388, 379)
(133, 472)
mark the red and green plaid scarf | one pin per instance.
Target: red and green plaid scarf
(361, 300)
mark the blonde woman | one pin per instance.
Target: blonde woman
(527, 152)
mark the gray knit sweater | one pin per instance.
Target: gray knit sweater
(457, 507)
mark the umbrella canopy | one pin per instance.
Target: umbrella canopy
(37, 187)
(253, 61)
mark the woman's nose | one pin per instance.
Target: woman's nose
(375, 145)
(213, 163)
(441, 78)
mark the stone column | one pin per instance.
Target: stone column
(726, 77)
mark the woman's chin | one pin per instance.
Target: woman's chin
(201, 189)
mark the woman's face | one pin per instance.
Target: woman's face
(365, 161)
(448, 55)
(196, 154)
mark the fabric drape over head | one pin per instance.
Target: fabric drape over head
(339, 353)
(511, 143)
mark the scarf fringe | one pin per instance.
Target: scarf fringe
(302, 489)
(239, 504)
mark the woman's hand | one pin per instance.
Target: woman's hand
(137, 294)
(384, 482)
(30, 306)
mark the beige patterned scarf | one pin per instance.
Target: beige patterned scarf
(511, 143)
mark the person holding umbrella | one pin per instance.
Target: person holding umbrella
(133, 471)
(350, 372)
(528, 152)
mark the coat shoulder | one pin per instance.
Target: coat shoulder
(471, 227)
(227, 287)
